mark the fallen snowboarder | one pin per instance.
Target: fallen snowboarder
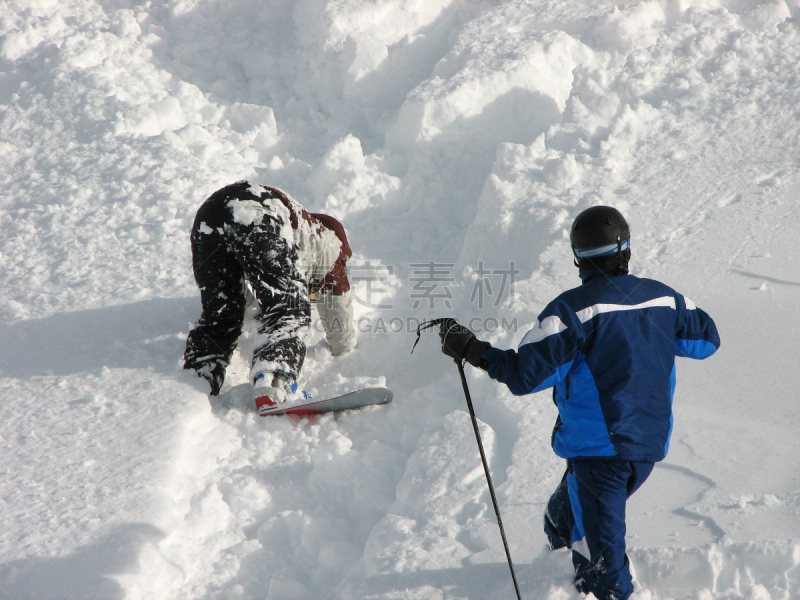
(287, 256)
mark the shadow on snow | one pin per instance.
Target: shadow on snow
(142, 335)
(83, 574)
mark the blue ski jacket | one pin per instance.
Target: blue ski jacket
(609, 348)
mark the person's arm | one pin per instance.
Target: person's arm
(696, 335)
(336, 316)
(544, 357)
(334, 300)
(545, 354)
(335, 279)
(219, 277)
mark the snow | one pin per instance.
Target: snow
(456, 141)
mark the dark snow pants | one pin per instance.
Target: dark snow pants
(225, 253)
(587, 514)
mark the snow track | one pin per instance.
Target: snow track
(453, 133)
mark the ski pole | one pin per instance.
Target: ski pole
(433, 323)
(488, 476)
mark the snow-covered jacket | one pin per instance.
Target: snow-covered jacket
(322, 253)
(609, 348)
(320, 240)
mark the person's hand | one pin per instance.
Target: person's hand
(460, 343)
(212, 371)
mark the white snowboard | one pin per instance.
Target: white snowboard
(351, 400)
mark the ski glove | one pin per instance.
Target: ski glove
(460, 343)
(212, 371)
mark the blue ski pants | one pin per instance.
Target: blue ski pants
(586, 513)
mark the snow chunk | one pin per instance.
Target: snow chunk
(363, 29)
(256, 124)
(244, 495)
(523, 65)
(440, 498)
(348, 181)
(333, 446)
(764, 16)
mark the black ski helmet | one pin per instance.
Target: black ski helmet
(601, 239)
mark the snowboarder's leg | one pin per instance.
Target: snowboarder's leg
(219, 276)
(280, 342)
(558, 518)
(269, 262)
(598, 491)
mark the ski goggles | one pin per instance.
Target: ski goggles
(606, 250)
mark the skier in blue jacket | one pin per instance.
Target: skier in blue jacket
(608, 348)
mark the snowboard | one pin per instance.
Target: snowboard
(349, 401)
